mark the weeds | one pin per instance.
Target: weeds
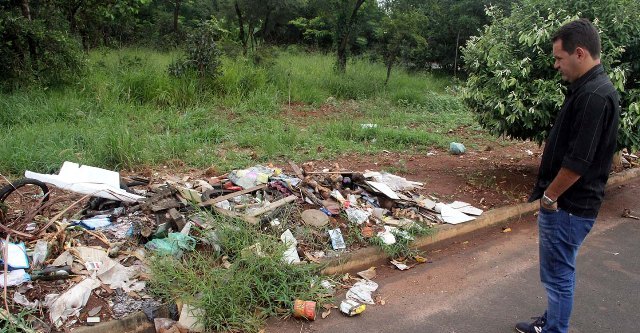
(128, 111)
(16, 323)
(257, 285)
(402, 246)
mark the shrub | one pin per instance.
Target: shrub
(202, 54)
(512, 86)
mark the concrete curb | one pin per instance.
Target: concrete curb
(364, 257)
(138, 323)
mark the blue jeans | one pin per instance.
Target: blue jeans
(561, 235)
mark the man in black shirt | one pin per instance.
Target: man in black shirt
(574, 170)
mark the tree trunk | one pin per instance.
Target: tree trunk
(176, 15)
(72, 14)
(241, 25)
(26, 11)
(265, 24)
(455, 60)
(342, 47)
(389, 65)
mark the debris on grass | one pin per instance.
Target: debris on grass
(214, 241)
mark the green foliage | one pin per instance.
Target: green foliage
(512, 85)
(402, 246)
(128, 111)
(399, 37)
(257, 285)
(202, 54)
(33, 53)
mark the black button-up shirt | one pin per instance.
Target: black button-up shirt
(583, 139)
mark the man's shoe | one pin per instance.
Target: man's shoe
(535, 327)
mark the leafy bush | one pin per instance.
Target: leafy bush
(202, 53)
(512, 86)
(32, 53)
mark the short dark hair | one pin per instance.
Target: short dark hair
(579, 33)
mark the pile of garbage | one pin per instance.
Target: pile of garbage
(89, 267)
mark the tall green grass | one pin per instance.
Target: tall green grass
(128, 111)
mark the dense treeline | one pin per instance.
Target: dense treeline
(41, 40)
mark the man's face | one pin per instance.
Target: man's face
(567, 64)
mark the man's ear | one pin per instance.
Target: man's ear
(581, 53)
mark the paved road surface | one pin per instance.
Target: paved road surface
(486, 282)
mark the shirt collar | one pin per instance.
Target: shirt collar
(595, 70)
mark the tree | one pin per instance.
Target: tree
(35, 46)
(399, 36)
(345, 27)
(512, 86)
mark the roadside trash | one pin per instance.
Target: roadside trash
(451, 215)
(95, 222)
(400, 265)
(251, 177)
(328, 286)
(16, 256)
(361, 291)
(337, 242)
(315, 217)
(15, 278)
(71, 302)
(367, 232)
(456, 148)
(505, 230)
(94, 311)
(291, 253)
(420, 259)
(304, 309)
(357, 216)
(174, 244)
(275, 223)
(384, 189)
(163, 325)
(22, 300)
(387, 237)
(368, 274)
(351, 308)
(40, 253)
(93, 320)
(465, 208)
(107, 239)
(368, 126)
(52, 273)
(87, 180)
(395, 183)
(189, 318)
(627, 213)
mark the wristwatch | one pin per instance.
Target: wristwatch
(547, 201)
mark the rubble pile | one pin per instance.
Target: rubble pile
(86, 264)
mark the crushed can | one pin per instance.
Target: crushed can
(304, 309)
(351, 307)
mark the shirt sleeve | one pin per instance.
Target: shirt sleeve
(586, 132)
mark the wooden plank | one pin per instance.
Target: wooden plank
(214, 201)
(232, 214)
(296, 169)
(272, 206)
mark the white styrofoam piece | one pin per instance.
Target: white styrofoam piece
(87, 180)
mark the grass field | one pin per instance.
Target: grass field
(127, 111)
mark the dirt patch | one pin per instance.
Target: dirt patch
(300, 113)
(494, 176)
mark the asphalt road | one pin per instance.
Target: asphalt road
(487, 281)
